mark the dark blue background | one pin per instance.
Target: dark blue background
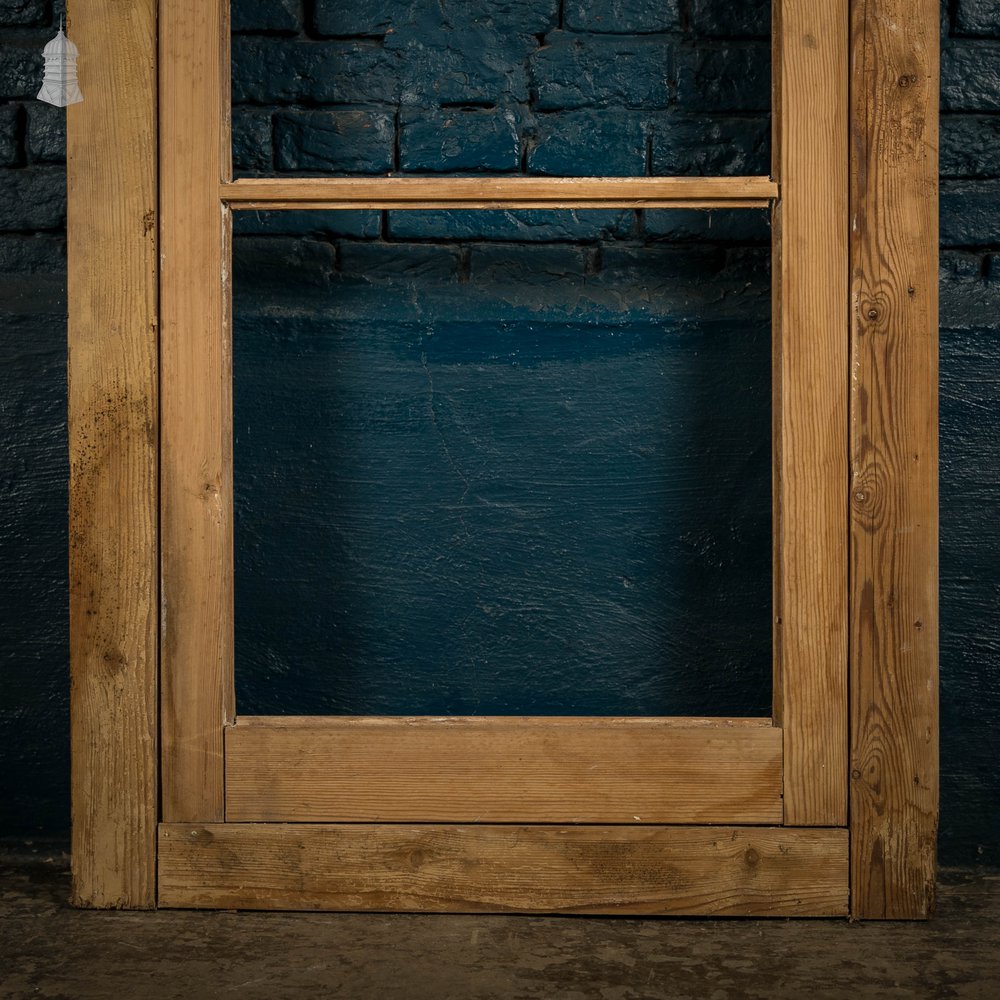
(502, 478)
(544, 87)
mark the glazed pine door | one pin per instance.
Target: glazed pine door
(582, 815)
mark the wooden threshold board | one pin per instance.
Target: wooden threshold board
(613, 870)
(499, 192)
(503, 770)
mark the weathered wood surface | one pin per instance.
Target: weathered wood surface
(498, 192)
(502, 770)
(196, 410)
(112, 245)
(639, 870)
(894, 458)
(810, 411)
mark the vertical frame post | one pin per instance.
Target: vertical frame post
(112, 347)
(196, 452)
(810, 321)
(894, 457)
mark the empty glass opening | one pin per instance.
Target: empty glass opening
(546, 87)
(502, 463)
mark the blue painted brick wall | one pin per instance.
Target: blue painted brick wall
(536, 86)
(506, 86)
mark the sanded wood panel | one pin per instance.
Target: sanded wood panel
(501, 192)
(641, 870)
(196, 441)
(894, 456)
(502, 770)
(810, 325)
(111, 167)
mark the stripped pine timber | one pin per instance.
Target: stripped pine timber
(810, 432)
(444, 203)
(502, 770)
(615, 870)
(111, 166)
(500, 192)
(196, 445)
(894, 455)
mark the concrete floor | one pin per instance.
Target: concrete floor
(48, 950)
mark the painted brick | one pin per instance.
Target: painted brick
(420, 66)
(443, 59)
(345, 140)
(357, 223)
(21, 65)
(252, 140)
(530, 16)
(267, 15)
(362, 17)
(970, 146)
(322, 72)
(626, 17)
(970, 213)
(718, 226)
(285, 17)
(46, 133)
(970, 291)
(731, 20)
(519, 226)
(33, 199)
(711, 145)
(709, 275)
(30, 297)
(970, 76)
(22, 12)
(34, 254)
(262, 267)
(456, 139)
(390, 262)
(441, 53)
(977, 17)
(379, 17)
(589, 143)
(730, 77)
(573, 71)
(10, 146)
(515, 264)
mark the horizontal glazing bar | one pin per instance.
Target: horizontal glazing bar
(499, 192)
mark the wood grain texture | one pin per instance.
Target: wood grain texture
(502, 770)
(196, 442)
(810, 328)
(500, 192)
(894, 458)
(640, 870)
(111, 158)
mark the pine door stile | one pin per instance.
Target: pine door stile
(196, 450)
(810, 323)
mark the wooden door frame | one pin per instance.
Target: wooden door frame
(884, 536)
